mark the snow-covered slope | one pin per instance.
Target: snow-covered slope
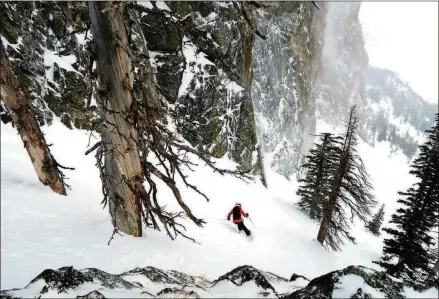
(40, 229)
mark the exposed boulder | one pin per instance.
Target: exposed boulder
(110, 281)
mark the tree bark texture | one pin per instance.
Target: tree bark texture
(119, 137)
(27, 125)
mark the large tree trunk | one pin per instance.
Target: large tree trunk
(119, 137)
(27, 126)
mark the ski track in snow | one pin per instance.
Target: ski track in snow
(40, 229)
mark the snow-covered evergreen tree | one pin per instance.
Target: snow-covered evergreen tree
(407, 251)
(319, 168)
(374, 225)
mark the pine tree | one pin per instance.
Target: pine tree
(406, 251)
(319, 167)
(349, 192)
(374, 225)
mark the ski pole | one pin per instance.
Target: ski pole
(252, 222)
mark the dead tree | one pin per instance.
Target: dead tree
(122, 165)
(23, 117)
(132, 128)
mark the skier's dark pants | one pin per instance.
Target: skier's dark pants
(241, 227)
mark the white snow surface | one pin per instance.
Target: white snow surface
(40, 229)
(65, 62)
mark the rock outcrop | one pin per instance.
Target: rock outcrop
(357, 282)
(244, 281)
(151, 282)
(46, 45)
(285, 66)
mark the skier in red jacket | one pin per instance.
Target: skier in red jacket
(237, 212)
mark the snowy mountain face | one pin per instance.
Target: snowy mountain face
(395, 112)
(389, 110)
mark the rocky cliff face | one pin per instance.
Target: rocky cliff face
(206, 74)
(228, 90)
(342, 63)
(389, 110)
(285, 66)
(45, 42)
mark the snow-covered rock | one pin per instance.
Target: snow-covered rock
(358, 282)
(355, 282)
(47, 47)
(150, 282)
(248, 277)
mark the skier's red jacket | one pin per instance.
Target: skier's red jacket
(237, 212)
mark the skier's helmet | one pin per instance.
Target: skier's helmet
(238, 204)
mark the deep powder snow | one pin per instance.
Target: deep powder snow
(40, 229)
